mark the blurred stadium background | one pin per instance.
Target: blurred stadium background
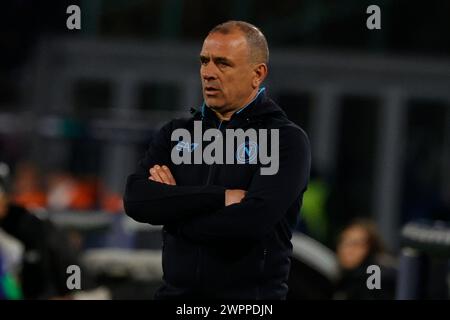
(77, 109)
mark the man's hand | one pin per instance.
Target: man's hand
(161, 174)
(233, 196)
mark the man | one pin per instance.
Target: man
(226, 227)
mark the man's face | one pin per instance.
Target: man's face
(227, 74)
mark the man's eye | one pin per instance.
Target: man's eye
(204, 61)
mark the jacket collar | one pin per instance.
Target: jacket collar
(260, 106)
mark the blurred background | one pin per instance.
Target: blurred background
(78, 108)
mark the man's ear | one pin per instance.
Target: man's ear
(260, 71)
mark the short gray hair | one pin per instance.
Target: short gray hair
(257, 43)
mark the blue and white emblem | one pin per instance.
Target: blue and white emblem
(247, 152)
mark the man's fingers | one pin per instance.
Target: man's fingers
(234, 196)
(165, 175)
(161, 174)
(166, 170)
(155, 174)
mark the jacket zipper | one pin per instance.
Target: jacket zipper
(263, 266)
(208, 181)
(212, 167)
(263, 262)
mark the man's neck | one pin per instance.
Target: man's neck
(226, 116)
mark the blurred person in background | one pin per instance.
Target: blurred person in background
(9, 288)
(359, 246)
(10, 255)
(27, 190)
(47, 253)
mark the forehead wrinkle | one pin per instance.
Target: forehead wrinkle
(228, 48)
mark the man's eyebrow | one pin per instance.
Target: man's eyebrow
(222, 60)
(217, 59)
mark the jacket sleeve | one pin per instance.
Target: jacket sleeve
(159, 204)
(267, 200)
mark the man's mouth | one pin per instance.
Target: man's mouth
(211, 90)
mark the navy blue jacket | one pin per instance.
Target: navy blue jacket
(210, 250)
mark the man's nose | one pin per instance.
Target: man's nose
(208, 73)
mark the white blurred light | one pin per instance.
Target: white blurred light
(4, 170)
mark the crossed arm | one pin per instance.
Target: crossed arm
(162, 174)
(210, 212)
